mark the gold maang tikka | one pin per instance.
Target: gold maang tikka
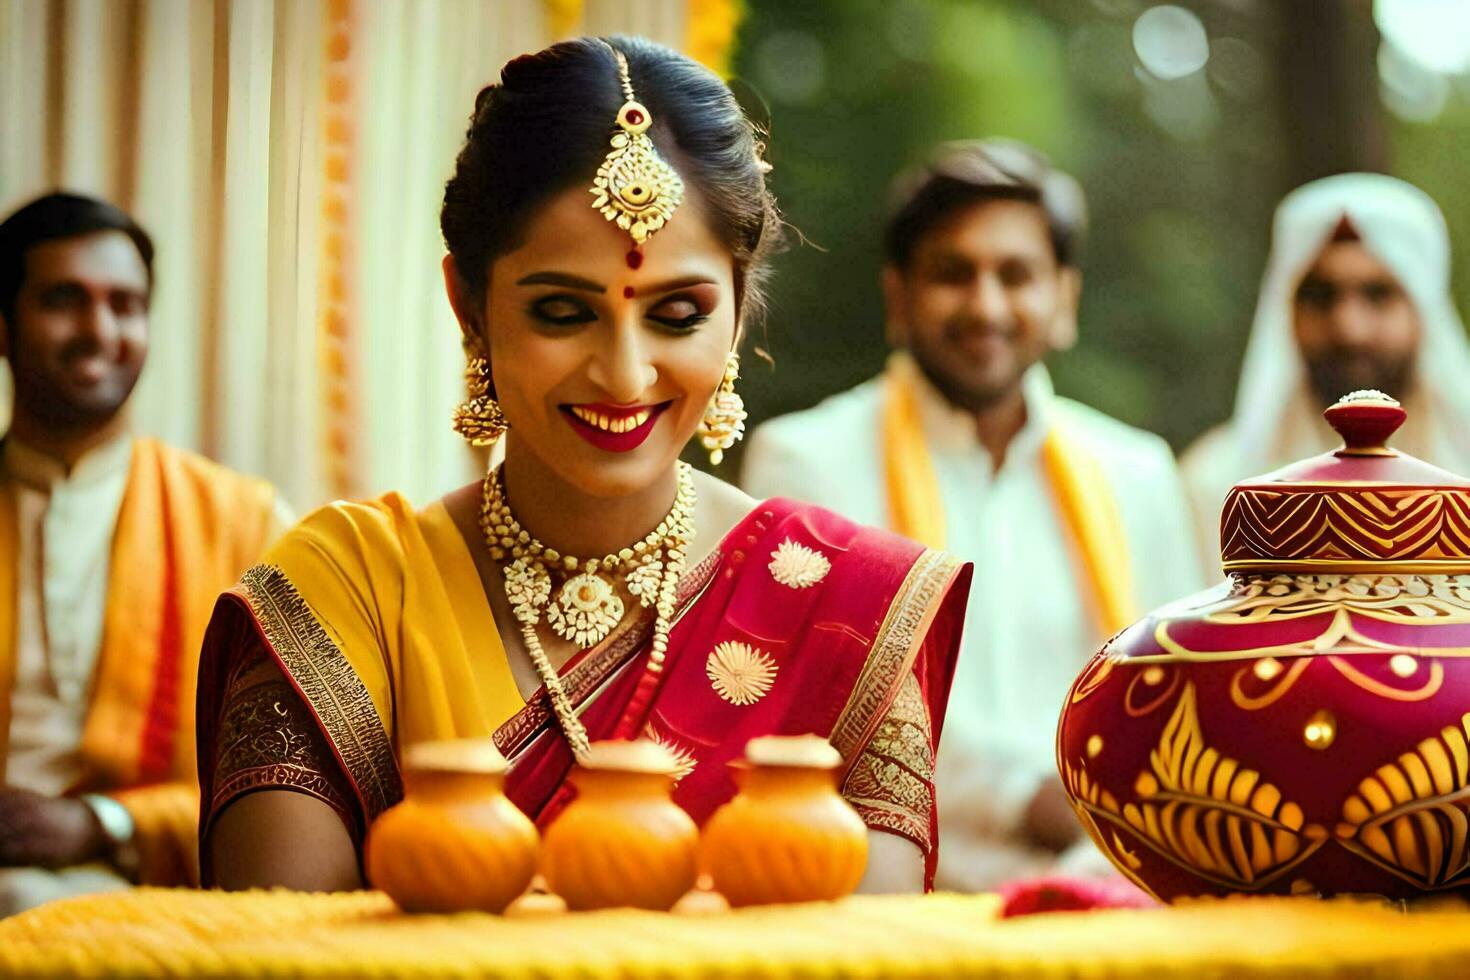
(724, 419)
(634, 187)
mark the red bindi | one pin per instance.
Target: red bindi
(628, 292)
(635, 258)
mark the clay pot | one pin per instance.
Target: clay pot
(622, 841)
(455, 843)
(1302, 727)
(788, 835)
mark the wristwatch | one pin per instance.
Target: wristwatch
(117, 830)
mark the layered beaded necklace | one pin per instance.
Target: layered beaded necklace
(587, 606)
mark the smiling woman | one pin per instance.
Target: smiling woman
(606, 225)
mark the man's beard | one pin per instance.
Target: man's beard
(959, 390)
(1335, 373)
(59, 409)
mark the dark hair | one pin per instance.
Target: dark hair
(54, 216)
(967, 172)
(545, 128)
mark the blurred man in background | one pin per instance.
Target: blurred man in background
(112, 551)
(1356, 294)
(1076, 522)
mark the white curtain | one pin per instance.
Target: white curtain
(207, 120)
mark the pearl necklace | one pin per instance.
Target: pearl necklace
(587, 607)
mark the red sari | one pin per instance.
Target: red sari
(855, 630)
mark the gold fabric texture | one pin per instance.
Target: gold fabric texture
(893, 650)
(329, 683)
(267, 740)
(892, 783)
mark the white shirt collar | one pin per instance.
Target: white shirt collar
(42, 472)
(952, 428)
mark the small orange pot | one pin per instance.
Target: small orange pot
(623, 841)
(788, 836)
(455, 843)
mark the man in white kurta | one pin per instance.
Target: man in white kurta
(980, 284)
(1356, 294)
(85, 511)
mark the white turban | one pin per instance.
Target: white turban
(1404, 229)
(1277, 414)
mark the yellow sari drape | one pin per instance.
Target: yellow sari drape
(186, 529)
(397, 644)
(1080, 487)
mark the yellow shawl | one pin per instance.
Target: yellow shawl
(1079, 485)
(186, 529)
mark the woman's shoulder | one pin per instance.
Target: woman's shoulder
(347, 533)
(792, 528)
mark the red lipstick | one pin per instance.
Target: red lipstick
(614, 428)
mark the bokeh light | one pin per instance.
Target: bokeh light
(1434, 34)
(1170, 42)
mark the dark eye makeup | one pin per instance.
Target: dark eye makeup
(561, 310)
(679, 312)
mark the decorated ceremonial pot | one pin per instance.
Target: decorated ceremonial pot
(623, 842)
(455, 842)
(788, 835)
(1302, 727)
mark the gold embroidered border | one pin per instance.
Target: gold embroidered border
(268, 740)
(329, 684)
(893, 650)
(892, 783)
(586, 679)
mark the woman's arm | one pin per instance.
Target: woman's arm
(895, 866)
(281, 838)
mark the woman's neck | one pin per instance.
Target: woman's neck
(574, 523)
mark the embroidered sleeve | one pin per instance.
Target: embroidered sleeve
(892, 783)
(268, 740)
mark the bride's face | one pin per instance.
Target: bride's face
(602, 363)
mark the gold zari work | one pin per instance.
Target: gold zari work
(740, 673)
(889, 785)
(798, 567)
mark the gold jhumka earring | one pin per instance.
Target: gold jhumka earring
(724, 420)
(479, 420)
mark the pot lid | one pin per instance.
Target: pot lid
(792, 751)
(1363, 507)
(466, 755)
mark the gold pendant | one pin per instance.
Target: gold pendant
(586, 610)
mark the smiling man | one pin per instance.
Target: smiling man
(1075, 522)
(112, 550)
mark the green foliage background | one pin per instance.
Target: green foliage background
(1182, 179)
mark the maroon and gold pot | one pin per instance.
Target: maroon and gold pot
(1302, 727)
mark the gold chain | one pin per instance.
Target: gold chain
(587, 608)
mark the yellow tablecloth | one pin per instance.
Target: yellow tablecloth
(157, 931)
